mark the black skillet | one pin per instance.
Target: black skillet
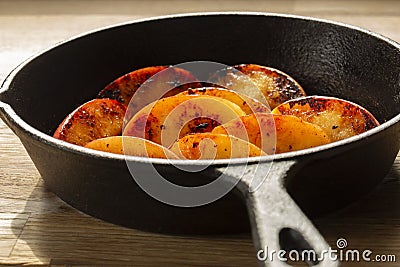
(326, 58)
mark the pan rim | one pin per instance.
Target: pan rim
(46, 139)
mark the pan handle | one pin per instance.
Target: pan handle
(277, 222)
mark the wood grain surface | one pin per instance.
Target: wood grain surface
(37, 228)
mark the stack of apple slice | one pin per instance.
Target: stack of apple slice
(225, 120)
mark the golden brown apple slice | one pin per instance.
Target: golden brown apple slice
(131, 146)
(339, 118)
(247, 104)
(262, 83)
(171, 118)
(214, 146)
(176, 79)
(95, 119)
(275, 133)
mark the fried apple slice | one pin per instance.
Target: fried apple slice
(339, 118)
(176, 79)
(247, 104)
(95, 119)
(275, 133)
(259, 82)
(171, 118)
(131, 146)
(214, 146)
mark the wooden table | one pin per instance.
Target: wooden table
(36, 227)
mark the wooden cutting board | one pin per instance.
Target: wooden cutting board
(37, 228)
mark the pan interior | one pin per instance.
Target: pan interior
(326, 59)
